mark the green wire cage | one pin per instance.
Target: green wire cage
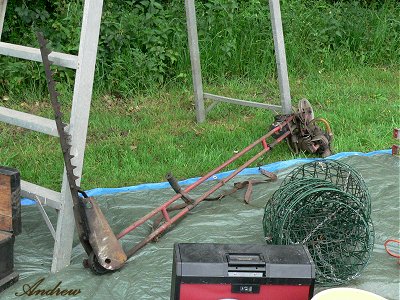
(326, 206)
(340, 174)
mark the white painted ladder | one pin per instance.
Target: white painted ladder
(84, 64)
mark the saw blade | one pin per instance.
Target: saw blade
(95, 234)
(65, 137)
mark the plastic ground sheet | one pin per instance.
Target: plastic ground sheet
(147, 275)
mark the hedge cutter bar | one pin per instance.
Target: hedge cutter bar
(103, 247)
(94, 232)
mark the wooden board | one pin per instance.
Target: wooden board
(10, 202)
(5, 203)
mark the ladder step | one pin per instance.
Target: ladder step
(45, 196)
(273, 107)
(29, 53)
(28, 121)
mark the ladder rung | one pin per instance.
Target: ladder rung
(29, 53)
(45, 196)
(28, 121)
(243, 102)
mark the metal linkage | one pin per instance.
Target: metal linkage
(284, 127)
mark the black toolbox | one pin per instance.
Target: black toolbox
(242, 272)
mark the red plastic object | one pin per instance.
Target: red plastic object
(395, 150)
(396, 133)
(391, 253)
(223, 291)
(209, 271)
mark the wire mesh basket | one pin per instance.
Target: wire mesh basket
(343, 176)
(331, 216)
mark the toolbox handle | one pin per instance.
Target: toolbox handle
(248, 259)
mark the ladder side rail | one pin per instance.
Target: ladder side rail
(195, 59)
(78, 127)
(280, 55)
(3, 6)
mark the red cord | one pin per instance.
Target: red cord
(397, 255)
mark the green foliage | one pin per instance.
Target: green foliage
(348, 32)
(143, 43)
(23, 20)
(136, 45)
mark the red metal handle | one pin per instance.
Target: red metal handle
(163, 208)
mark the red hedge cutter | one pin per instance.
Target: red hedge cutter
(102, 246)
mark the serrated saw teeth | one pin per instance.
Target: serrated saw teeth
(65, 138)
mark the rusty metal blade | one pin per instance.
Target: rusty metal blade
(105, 245)
(94, 232)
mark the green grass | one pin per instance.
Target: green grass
(139, 139)
(342, 55)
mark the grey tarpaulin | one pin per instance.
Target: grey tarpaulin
(147, 275)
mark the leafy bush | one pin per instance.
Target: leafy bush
(143, 43)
